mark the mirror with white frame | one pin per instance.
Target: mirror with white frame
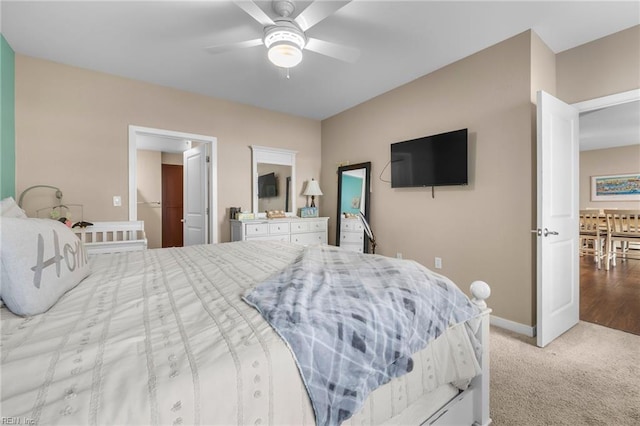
(274, 182)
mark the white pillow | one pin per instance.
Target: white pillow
(41, 260)
(9, 208)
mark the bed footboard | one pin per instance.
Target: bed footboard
(471, 407)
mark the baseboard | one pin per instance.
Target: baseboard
(516, 327)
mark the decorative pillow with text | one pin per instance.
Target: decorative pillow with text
(42, 259)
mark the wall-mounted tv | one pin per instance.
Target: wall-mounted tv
(267, 186)
(430, 161)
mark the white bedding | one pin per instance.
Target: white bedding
(162, 337)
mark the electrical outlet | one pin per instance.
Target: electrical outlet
(438, 263)
(117, 201)
(398, 255)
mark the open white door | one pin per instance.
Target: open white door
(195, 196)
(558, 281)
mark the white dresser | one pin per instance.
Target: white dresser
(352, 234)
(307, 231)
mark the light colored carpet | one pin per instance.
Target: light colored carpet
(588, 376)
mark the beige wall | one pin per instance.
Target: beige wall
(171, 158)
(72, 132)
(543, 69)
(149, 180)
(603, 67)
(600, 68)
(602, 162)
(481, 231)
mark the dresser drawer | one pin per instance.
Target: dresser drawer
(278, 228)
(273, 237)
(352, 237)
(318, 226)
(357, 247)
(347, 225)
(310, 238)
(299, 226)
(255, 229)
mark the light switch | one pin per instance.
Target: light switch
(117, 201)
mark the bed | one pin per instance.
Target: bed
(164, 336)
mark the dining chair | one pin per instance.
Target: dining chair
(592, 236)
(623, 226)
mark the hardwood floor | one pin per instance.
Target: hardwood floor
(611, 298)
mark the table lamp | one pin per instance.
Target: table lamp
(312, 189)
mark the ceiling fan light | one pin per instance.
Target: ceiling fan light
(285, 55)
(279, 34)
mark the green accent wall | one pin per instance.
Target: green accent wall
(7, 121)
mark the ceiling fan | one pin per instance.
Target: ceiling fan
(285, 37)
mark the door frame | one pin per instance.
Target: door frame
(607, 101)
(178, 139)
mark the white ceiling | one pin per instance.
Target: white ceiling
(164, 43)
(617, 125)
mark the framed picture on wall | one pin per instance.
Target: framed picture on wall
(622, 187)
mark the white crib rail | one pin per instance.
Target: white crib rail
(113, 237)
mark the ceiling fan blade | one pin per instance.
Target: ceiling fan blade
(256, 13)
(337, 51)
(317, 11)
(222, 48)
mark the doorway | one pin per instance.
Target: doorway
(610, 141)
(558, 190)
(171, 142)
(172, 205)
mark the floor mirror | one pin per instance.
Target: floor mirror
(354, 195)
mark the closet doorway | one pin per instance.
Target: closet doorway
(172, 205)
(196, 156)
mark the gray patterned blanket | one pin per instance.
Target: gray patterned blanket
(353, 321)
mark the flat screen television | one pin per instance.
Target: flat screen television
(267, 186)
(430, 161)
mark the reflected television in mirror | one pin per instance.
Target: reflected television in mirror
(267, 186)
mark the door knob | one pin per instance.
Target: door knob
(545, 233)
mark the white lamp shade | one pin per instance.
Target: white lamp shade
(312, 188)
